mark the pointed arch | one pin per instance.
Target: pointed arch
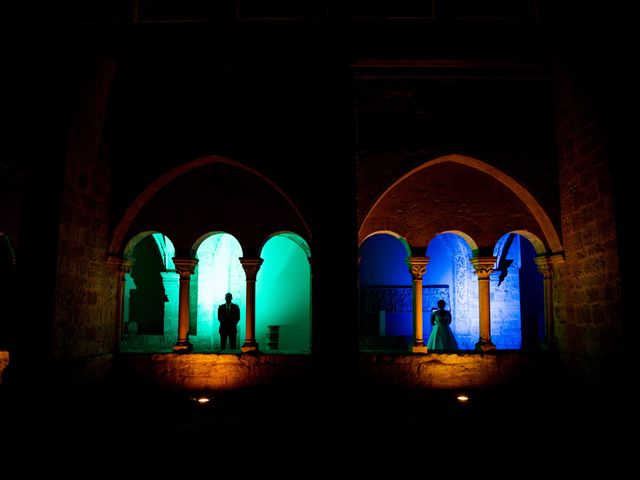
(532, 205)
(136, 206)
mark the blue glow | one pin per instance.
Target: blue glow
(463, 288)
(382, 264)
(531, 299)
(506, 329)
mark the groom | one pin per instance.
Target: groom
(228, 316)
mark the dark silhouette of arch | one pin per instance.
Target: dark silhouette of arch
(146, 307)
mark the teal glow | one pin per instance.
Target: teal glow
(218, 271)
(283, 294)
(152, 269)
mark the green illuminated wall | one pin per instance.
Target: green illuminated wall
(158, 246)
(218, 271)
(283, 295)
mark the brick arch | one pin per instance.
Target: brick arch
(141, 217)
(294, 237)
(405, 244)
(458, 193)
(196, 245)
(133, 241)
(534, 240)
(473, 246)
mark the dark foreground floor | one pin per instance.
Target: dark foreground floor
(366, 426)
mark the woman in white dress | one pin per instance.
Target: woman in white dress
(441, 338)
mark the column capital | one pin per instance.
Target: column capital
(545, 264)
(121, 264)
(251, 266)
(483, 266)
(417, 266)
(185, 266)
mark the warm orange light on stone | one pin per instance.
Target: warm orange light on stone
(417, 268)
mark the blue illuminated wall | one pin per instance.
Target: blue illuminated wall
(449, 276)
(283, 295)
(463, 288)
(531, 299)
(382, 263)
(506, 329)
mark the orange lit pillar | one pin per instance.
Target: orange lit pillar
(417, 268)
(251, 267)
(545, 268)
(185, 268)
(483, 267)
(121, 265)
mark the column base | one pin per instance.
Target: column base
(418, 348)
(184, 346)
(249, 347)
(485, 346)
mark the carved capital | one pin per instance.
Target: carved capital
(185, 266)
(545, 264)
(483, 266)
(251, 267)
(417, 266)
(118, 264)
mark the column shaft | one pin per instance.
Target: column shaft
(417, 268)
(251, 267)
(545, 268)
(184, 267)
(483, 267)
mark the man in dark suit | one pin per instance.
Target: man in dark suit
(228, 316)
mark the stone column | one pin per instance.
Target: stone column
(251, 267)
(417, 268)
(120, 265)
(185, 267)
(483, 267)
(545, 268)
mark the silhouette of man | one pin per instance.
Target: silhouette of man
(228, 316)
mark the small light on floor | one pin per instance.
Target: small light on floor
(202, 399)
(462, 398)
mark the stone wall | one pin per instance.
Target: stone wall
(440, 371)
(202, 372)
(85, 287)
(587, 286)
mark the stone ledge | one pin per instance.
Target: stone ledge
(210, 372)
